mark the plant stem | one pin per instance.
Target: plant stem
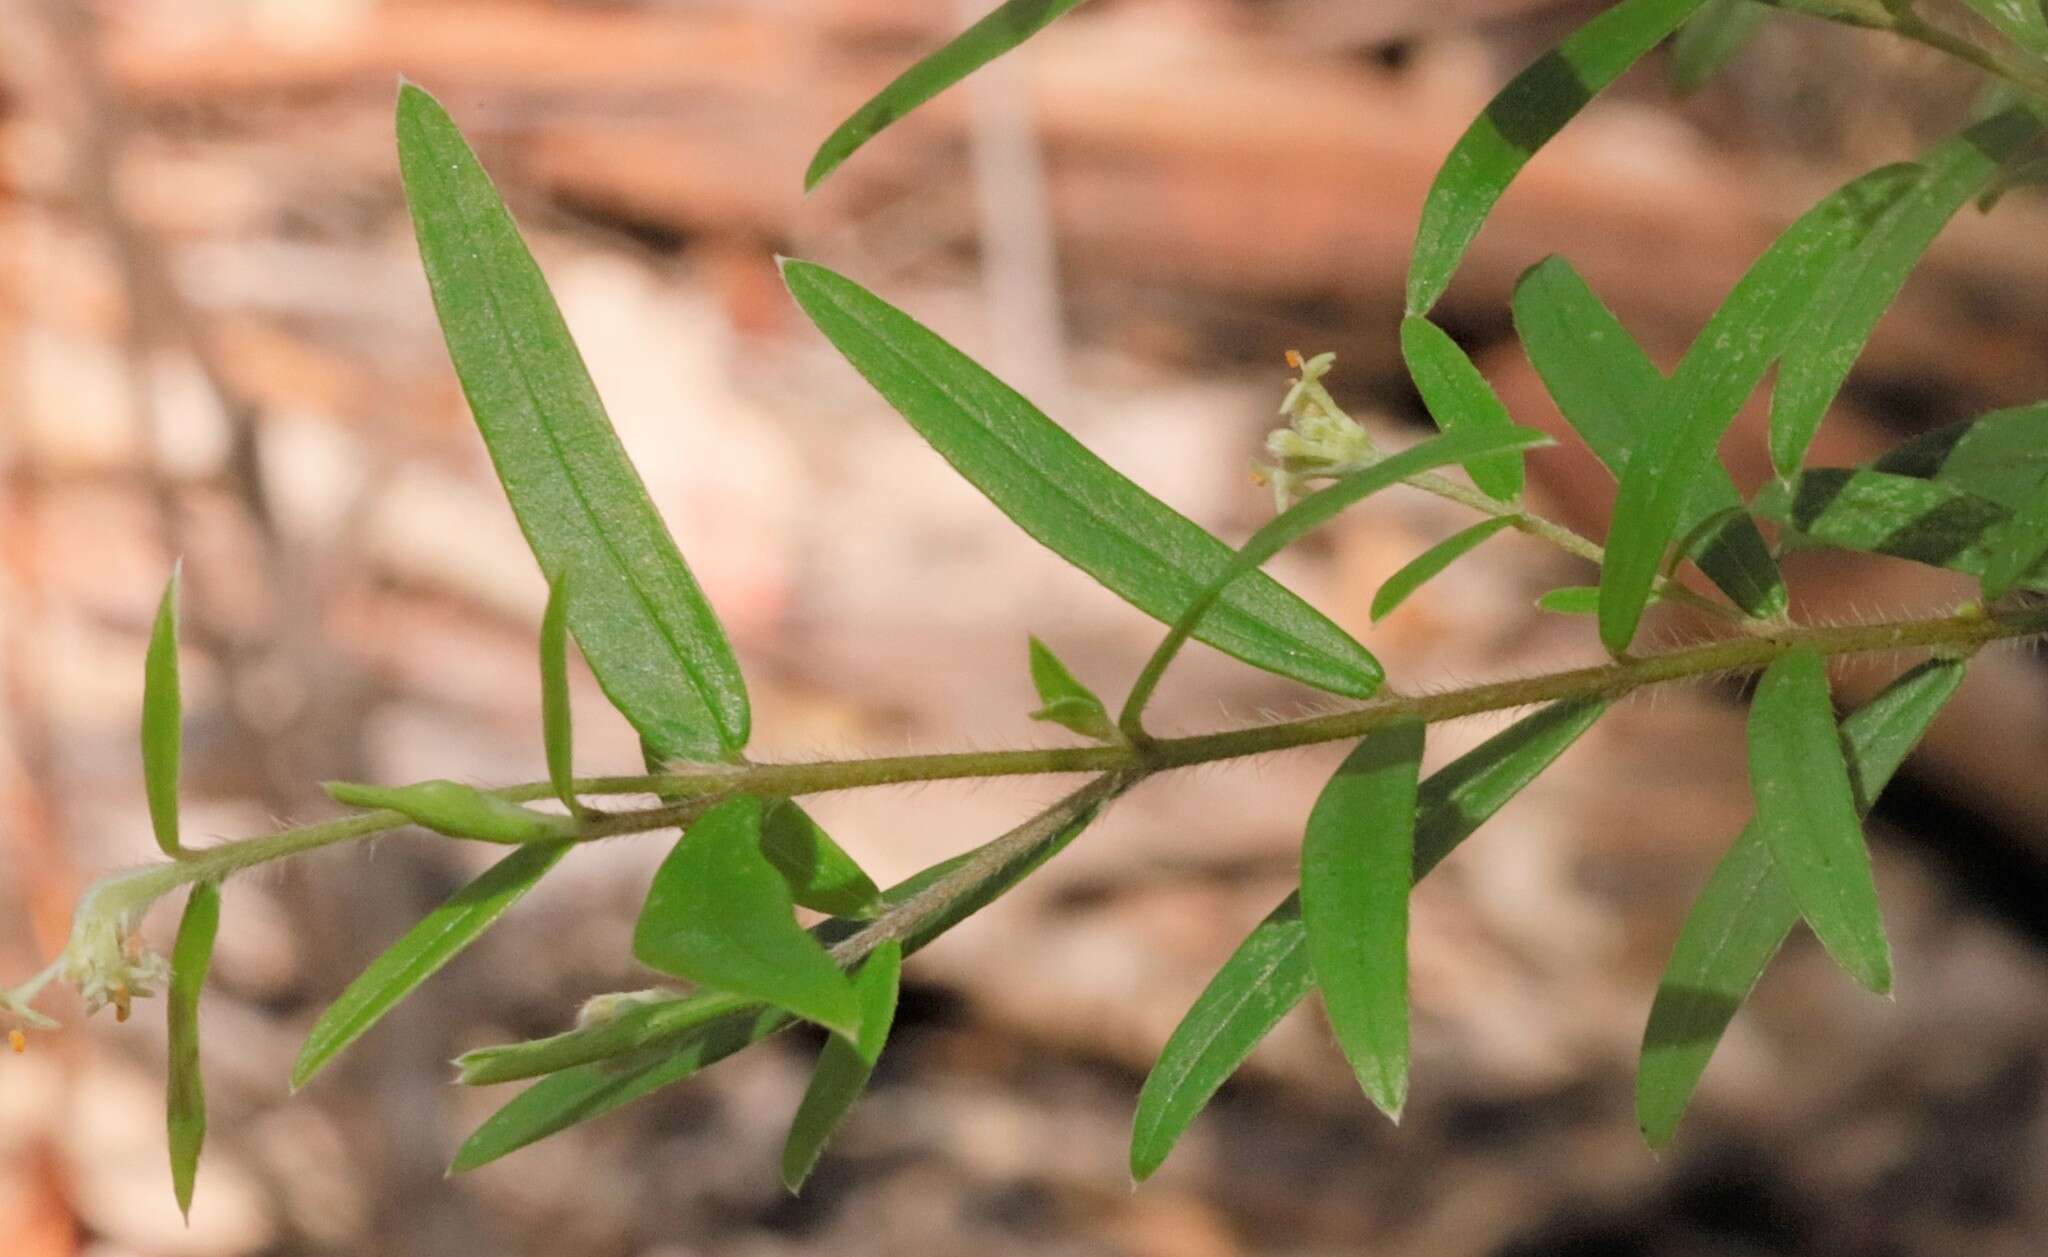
(697, 790)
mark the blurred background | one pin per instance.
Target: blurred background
(215, 342)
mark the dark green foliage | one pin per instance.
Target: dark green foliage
(1357, 859)
(1742, 916)
(1269, 972)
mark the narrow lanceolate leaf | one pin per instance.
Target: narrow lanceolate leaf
(644, 626)
(719, 913)
(1609, 391)
(1527, 113)
(1745, 912)
(1068, 499)
(1717, 375)
(1424, 567)
(589, 1090)
(1925, 521)
(1458, 396)
(2017, 546)
(1711, 39)
(1357, 859)
(185, 1093)
(1009, 25)
(163, 721)
(1269, 972)
(1806, 812)
(818, 871)
(1847, 307)
(843, 1068)
(1264, 978)
(557, 733)
(456, 811)
(2020, 21)
(1064, 700)
(438, 938)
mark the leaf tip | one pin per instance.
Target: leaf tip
(1143, 1167)
(414, 99)
(309, 1065)
(822, 164)
(793, 1176)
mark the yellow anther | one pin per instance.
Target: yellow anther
(1294, 359)
(18, 1041)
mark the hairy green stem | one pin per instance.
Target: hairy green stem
(697, 790)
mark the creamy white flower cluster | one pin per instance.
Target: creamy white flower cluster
(1320, 441)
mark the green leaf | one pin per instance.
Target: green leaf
(2002, 455)
(1847, 307)
(557, 732)
(578, 1094)
(1924, 521)
(819, 872)
(1571, 600)
(607, 1027)
(1424, 567)
(1009, 25)
(1806, 812)
(1264, 978)
(438, 938)
(1609, 391)
(1458, 396)
(561, 1100)
(1064, 700)
(1720, 371)
(1313, 512)
(185, 1094)
(2017, 546)
(651, 639)
(456, 811)
(1356, 861)
(2017, 20)
(1745, 912)
(843, 1068)
(1068, 499)
(1531, 109)
(719, 913)
(1711, 39)
(163, 721)
(1269, 972)
(1459, 797)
